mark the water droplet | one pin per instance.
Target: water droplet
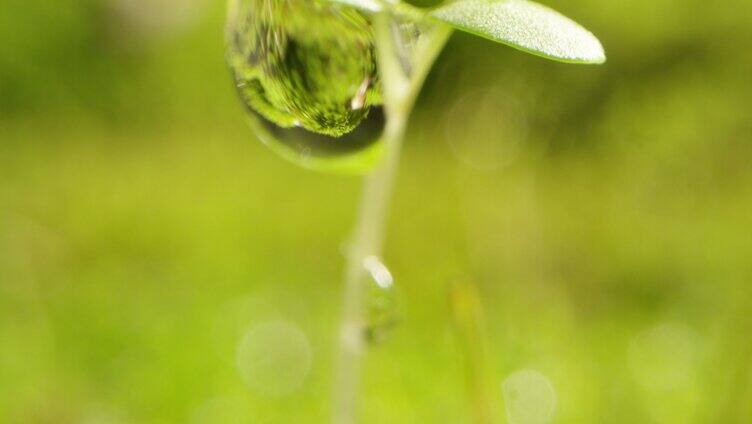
(274, 358)
(529, 398)
(306, 71)
(382, 301)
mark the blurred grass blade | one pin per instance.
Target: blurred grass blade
(467, 316)
(524, 25)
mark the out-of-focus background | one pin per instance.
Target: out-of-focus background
(153, 253)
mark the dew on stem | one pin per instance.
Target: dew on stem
(382, 303)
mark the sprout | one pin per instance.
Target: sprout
(330, 84)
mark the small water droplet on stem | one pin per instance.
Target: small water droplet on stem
(382, 302)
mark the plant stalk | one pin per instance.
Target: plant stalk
(400, 92)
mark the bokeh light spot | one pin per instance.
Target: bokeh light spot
(220, 410)
(529, 398)
(485, 128)
(274, 359)
(664, 357)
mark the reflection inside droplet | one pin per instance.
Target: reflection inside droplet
(379, 272)
(274, 359)
(306, 71)
(529, 398)
(381, 300)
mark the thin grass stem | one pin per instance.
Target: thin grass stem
(400, 93)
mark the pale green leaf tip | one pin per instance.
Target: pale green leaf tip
(524, 25)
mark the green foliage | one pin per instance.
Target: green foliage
(524, 25)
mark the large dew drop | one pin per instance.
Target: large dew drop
(306, 72)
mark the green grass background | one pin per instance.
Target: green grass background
(143, 228)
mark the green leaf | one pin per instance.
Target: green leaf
(524, 25)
